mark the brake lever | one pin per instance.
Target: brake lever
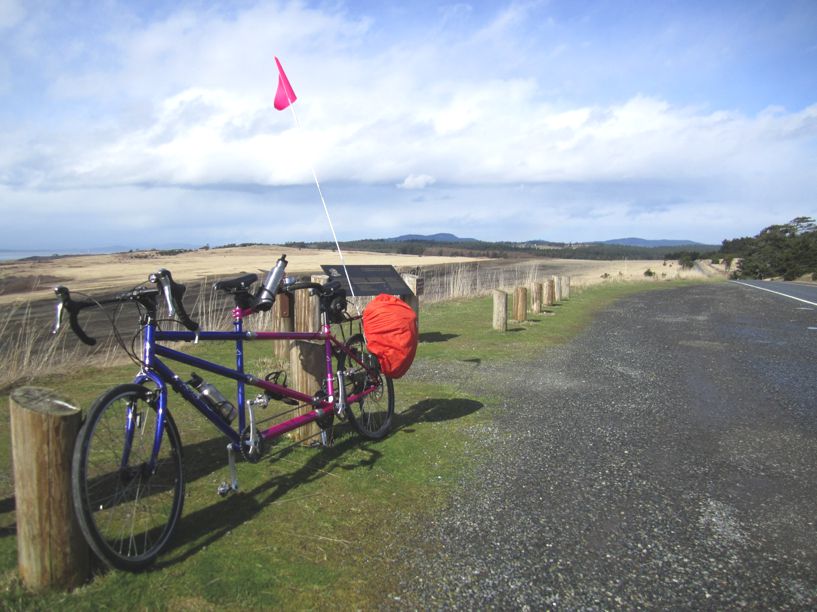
(60, 310)
(160, 278)
(173, 292)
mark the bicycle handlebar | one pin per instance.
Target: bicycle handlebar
(326, 289)
(173, 292)
(302, 285)
(73, 307)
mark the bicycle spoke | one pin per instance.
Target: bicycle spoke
(127, 512)
(371, 412)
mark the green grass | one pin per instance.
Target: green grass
(461, 329)
(309, 526)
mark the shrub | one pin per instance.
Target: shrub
(687, 262)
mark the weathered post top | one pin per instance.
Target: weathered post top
(43, 400)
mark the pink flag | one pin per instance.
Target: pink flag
(284, 96)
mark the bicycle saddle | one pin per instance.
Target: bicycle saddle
(233, 285)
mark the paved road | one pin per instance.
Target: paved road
(804, 292)
(666, 458)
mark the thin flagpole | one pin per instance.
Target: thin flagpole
(323, 201)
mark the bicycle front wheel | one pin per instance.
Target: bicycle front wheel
(371, 414)
(127, 505)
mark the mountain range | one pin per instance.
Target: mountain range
(442, 237)
(636, 242)
(641, 242)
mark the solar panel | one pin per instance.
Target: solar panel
(370, 280)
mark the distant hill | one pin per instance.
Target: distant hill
(430, 238)
(641, 242)
(452, 245)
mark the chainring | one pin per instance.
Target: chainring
(255, 454)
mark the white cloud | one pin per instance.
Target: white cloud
(185, 103)
(417, 181)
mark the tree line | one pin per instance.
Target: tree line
(498, 250)
(788, 250)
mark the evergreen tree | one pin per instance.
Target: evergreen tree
(788, 251)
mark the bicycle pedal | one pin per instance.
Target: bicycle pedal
(225, 488)
(275, 377)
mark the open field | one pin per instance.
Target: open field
(33, 280)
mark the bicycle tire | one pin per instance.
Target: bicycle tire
(126, 514)
(371, 416)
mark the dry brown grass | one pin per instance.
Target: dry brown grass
(27, 348)
(33, 279)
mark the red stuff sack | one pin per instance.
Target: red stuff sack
(390, 327)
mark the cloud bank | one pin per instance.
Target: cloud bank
(472, 124)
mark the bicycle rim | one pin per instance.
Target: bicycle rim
(371, 415)
(127, 513)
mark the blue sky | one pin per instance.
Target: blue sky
(150, 123)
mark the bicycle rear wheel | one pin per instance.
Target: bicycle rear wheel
(371, 414)
(126, 510)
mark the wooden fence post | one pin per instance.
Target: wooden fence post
(51, 552)
(566, 288)
(550, 293)
(306, 358)
(415, 283)
(557, 285)
(536, 298)
(500, 310)
(520, 304)
(282, 321)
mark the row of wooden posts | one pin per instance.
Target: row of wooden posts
(51, 551)
(542, 295)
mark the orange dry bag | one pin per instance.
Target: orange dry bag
(390, 326)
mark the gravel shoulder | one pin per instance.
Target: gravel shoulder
(664, 458)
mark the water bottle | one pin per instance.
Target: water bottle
(213, 398)
(266, 294)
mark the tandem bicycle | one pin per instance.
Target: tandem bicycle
(127, 472)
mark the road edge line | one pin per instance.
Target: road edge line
(775, 292)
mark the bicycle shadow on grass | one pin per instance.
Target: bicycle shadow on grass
(207, 525)
(434, 411)
(437, 337)
(203, 527)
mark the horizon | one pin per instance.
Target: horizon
(569, 122)
(107, 249)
